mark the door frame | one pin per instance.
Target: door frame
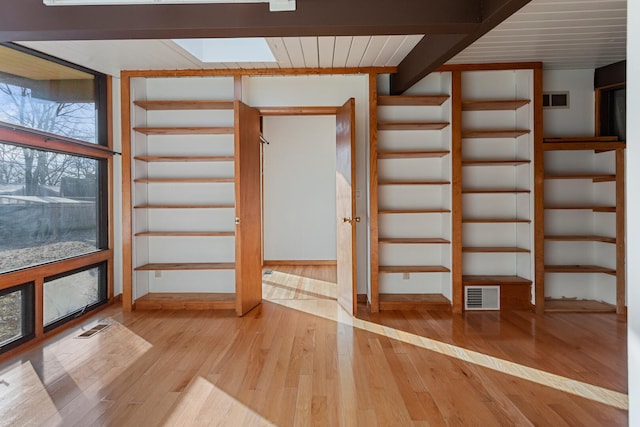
(296, 111)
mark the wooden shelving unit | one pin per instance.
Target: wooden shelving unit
(497, 131)
(584, 226)
(183, 164)
(411, 184)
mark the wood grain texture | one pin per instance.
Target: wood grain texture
(568, 305)
(621, 280)
(127, 202)
(579, 238)
(186, 233)
(538, 192)
(186, 301)
(412, 100)
(413, 240)
(188, 266)
(294, 262)
(413, 269)
(186, 130)
(412, 154)
(412, 125)
(200, 104)
(578, 269)
(185, 159)
(456, 192)
(494, 133)
(346, 206)
(258, 72)
(283, 366)
(298, 111)
(430, 302)
(248, 208)
(563, 145)
(495, 162)
(583, 176)
(374, 209)
(493, 104)
(110, 189)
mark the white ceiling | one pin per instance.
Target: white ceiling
(564, 34)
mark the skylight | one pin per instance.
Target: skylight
(253, 49)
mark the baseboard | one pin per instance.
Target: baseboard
(296, 262)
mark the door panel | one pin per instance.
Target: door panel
(346, 206)
(248, 208)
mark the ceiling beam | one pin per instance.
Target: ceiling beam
(30, 20)
(434, 50)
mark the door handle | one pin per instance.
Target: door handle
(349, 219)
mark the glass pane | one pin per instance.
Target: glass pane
(43, 95)
(73, 293)
(10, 317)
(49, 205)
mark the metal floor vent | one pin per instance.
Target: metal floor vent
(482, 297)
(91, 332)
(267, 272)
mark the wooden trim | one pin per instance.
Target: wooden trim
(39, 306)
(15, 136)
(538, 192)
(298, 111)
(456, 191)
(298, 262)
(237, 90)
(111, 188)
(620, 234)
(362, 298)
(127, 233)
(492, 67)
(373, 193)
(257, 72)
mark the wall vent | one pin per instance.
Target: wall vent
(482, 298)
(555, 100)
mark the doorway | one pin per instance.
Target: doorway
(309, 204)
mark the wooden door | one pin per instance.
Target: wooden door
(346, 206)
(248, 208)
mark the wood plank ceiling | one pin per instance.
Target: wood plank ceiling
(566, 34)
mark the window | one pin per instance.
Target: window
(555, 100)
(613, 112)
(54, 193)
(70, 294)
(16, 316)
(51, 206)
(50, 96)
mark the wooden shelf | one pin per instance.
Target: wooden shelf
(432, 302)
(411, 211)
(412, 100)
(570, 305)
(186, 233)
(413, 240)
(185, 105)
(603, 239)
(193, 130)
(587, 176)
(187, 266)
(601, 209)
(184, 207)
(414, 182)
(493, 104)
(495, 162)
(186, 301)
(183, 180)
(495, 133)
(479, 280)
(578, 269)
(413, 269)
(412, 125)
(561, 144)
(411, 154)
(186, 159)
(495, 220)
(494, 249)
(587, 138)
(493, 191)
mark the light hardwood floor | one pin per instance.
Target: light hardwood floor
(305, 362)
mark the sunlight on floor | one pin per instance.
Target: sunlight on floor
(330, 310)
(282, 286)
(202, 403)
(22, 392)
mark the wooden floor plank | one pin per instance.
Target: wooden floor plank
(282, 366)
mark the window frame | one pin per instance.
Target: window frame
(27, 313)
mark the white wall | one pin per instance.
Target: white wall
(577, 120)
(326, 90)
(300, 188)
(633, 208)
